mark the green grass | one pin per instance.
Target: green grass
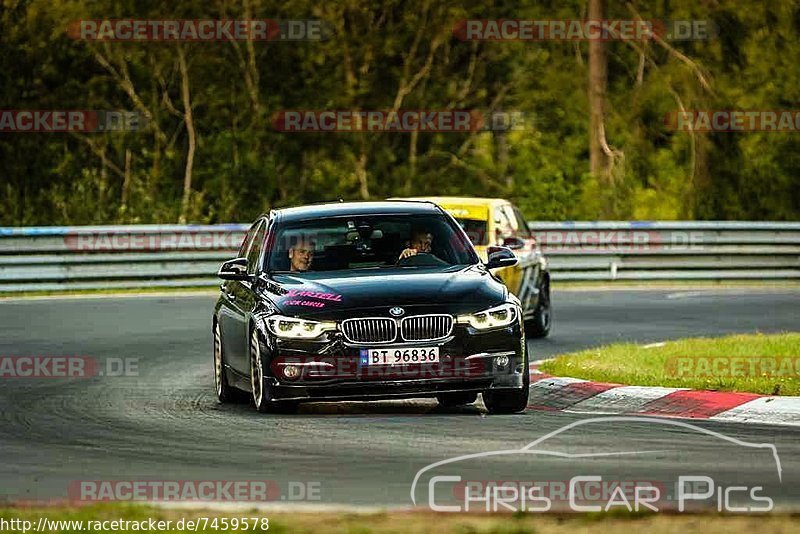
(414, 522)
(754, 363)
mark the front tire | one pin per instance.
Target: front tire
(449, 400)
(222, 389)
(539, 325)
(505, 401)
(259, 385)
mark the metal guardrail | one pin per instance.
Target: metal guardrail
(115, 257)
(643, 251)
(60, 258)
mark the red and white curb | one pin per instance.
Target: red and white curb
(554, 393)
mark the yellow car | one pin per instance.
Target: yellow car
(497, 222)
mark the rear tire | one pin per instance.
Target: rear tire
(539, 325)
(449, 400)
(260, 387)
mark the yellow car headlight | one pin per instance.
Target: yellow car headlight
(497, 317)
(293, 328)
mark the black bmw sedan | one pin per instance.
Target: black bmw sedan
(367, 300)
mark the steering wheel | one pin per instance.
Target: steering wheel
(420, 259)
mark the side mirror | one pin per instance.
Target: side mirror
(514, 243)
(500, 257)
(235, 269)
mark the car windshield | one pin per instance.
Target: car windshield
(370, 242)
(476, 230)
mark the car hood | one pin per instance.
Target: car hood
(341, 294)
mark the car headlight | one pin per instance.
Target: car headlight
(293, 328)
(497, 317)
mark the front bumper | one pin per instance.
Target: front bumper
(331, 368)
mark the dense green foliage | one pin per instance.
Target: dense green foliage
(381, 53)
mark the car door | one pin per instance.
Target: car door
(504, 231)
(238, 303)
(228, 309)
(529, 261)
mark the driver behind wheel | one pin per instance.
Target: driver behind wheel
(421, 240)
(301, 255)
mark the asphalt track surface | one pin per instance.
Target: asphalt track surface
(165, 424)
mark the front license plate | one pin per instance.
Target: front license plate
(399, 356)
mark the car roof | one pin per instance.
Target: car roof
(343, 209)
(462, 201)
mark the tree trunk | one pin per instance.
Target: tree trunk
(500, 138)
(188, 119)
(412, 162)
(361, 175)
(598, 78)
(126, 181)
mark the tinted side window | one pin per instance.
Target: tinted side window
(248, 238)
(504, 227)
(522, 224)
(255, 248)
(475, 230)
